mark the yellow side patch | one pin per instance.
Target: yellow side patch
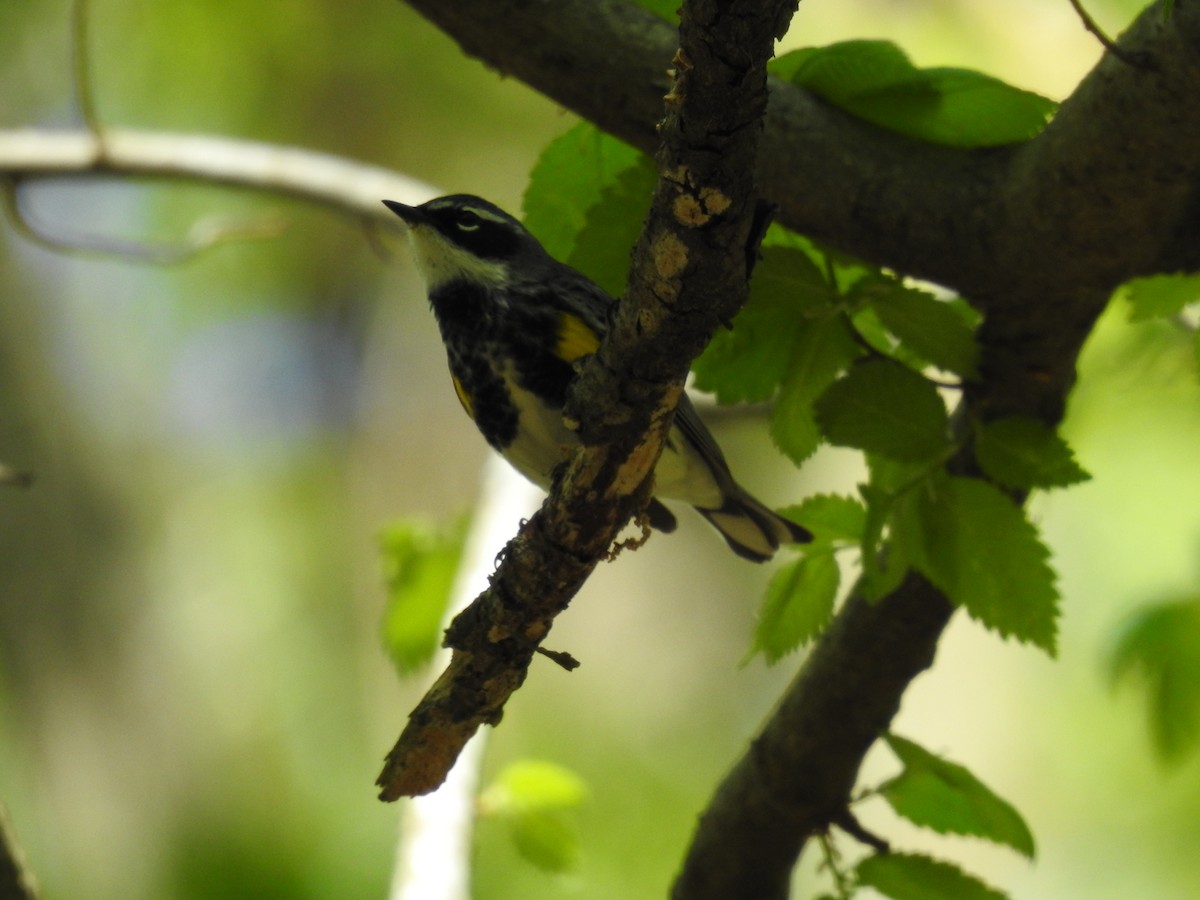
(575, 338)
(463, 397)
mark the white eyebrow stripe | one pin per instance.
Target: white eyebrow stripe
(477, 210)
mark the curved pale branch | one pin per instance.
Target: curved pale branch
(345, 185)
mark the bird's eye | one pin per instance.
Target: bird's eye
(468, 221)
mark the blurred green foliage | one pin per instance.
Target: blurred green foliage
(420, 565)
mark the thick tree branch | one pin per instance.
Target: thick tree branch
(797, 775)
(935, 212)
(689, 272)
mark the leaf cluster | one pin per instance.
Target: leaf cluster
(943, 796)
(844, 354)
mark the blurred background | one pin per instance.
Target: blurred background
(194, 701)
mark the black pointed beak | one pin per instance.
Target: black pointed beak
(412, 215)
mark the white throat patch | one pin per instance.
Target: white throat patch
(440, 261)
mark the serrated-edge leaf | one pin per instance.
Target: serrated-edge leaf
(935, 793)
(971, 109)
(931, 328)
(912, 876)
(747, 362)
(831, 517)
(1025, 453)
(879, 510)
(1160, 296)
(884, 568)
(979, 548)
(824, 347)
(569, 179)
(871, 329)
(883, 407)
(612, 225)
(845, 69)
(798, 604)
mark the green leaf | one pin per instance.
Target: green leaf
(1160, 296)
(569, 180)
(830, 517)
(535, 798)
(976, 546)
(910, 876)
(664, 9)
(871, 329)
(847, 69)
(531, 784)
(1161, 644)
(798, 605)
(938, 794)
(823, 349)
(613, 225)
(882, 570)
(747, 362)
(419, 567)
(886, 408)
(930, 327)
(875, 80)
(548, 840)
(1025, 453)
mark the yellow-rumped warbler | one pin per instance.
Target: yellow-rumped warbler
(515, 322)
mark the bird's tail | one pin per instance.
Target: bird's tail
(751, 529)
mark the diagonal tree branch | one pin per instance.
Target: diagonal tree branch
(796, 777)
(934, 212)
(689, 273)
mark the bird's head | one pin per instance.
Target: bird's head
(465, 237)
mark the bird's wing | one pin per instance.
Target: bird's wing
(688, 421)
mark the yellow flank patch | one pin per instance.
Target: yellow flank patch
(463, 397)
(575, 338)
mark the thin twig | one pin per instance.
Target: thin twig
(81, 66)
(1136, 60)
(847, 821)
